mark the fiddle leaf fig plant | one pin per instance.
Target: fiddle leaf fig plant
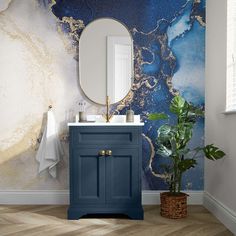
(172, 142)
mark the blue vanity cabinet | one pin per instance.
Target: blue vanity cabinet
(105, 171)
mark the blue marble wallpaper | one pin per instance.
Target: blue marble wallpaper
(169, 44)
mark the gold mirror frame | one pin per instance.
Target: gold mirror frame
(132, 63)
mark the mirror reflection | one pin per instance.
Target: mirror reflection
(106, 61)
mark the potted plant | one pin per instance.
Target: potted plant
(172, 143)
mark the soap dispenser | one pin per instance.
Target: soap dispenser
(129, 115)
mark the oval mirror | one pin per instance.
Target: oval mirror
(106, 61)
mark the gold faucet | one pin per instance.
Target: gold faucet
(108, 116)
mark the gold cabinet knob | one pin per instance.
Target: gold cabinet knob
(108, 152)
(102, 153)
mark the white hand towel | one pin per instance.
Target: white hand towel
(50, 149)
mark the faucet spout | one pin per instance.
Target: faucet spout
(108, 116)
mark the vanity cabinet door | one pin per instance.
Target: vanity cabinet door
(87, 176)
(123, 177)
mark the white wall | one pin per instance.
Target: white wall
(220, 176)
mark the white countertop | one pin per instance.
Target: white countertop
(104, 124)
(117, 120)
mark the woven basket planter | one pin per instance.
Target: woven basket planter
(173, 206)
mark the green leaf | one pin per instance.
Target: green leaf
(184, 151)
(177, 105)
(187, 133)
(164, 130)
(164, 151)
(165, 136)
(198, 112)
(157, 116)
(183, 133)
(173, 145)
(190, 113)
(213, 153)
(186, 164)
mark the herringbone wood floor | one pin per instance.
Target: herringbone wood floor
(51, 220)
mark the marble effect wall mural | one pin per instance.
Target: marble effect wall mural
(38, 58)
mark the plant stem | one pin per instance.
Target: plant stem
(179, 182)
(175, 174)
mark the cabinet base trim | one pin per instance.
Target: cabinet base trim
(75, 213)
(61, 197)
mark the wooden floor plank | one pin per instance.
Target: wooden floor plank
(52, 220)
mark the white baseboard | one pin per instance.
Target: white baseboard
(61, 197)
(34, 197)
(153, 197)
(220, 211)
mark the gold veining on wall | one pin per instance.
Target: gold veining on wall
(41, 57)
(71, 39)
(143, 80)
(170, 58)
(125, 102)
(52, 3)
(38, 71)
(199, 18)
(53, 79)
(75, 25)
(66, 41)
(152, 155)
(27, 142)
